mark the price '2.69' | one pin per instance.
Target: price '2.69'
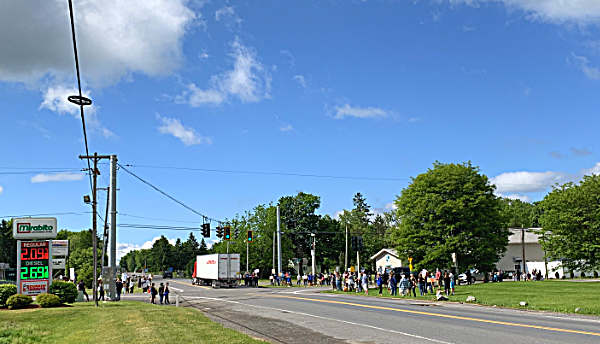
(34, 272)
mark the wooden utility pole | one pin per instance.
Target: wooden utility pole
(523, 249)
(346, 255)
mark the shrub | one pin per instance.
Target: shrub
(66, 291)
(18, 301)
(6, 291)
(48, 300)
(595, 274)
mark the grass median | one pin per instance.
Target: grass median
(112, 323)
(555, 296)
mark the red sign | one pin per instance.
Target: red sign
(211, 262)
(33, 288)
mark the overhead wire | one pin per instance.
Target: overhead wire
(169, 196)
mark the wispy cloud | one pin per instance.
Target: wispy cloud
(359, 112)
(583, 64)
(291, 59)
(556, 155)
(467, 28)
(228, 16)
(37, 126)
(249, 81)
(1, 190)
(186, 134)
(286, 128)
(56, 177)
(300, 80)
(580, 152)
(55, 100)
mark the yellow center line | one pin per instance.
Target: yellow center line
(198, 286)
(441, 315)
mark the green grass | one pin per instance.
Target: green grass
(114, 323)
(555, 296)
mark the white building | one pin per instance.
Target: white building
(386, 258)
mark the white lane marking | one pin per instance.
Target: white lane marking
(324, 318)
(181, 290)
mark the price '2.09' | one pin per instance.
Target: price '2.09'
(34, 272)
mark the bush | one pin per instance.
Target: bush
(66, 291)
(18, 301)
(595, 274)
(6, 291)
(48, 300)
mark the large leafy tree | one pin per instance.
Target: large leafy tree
(298, 216)
(161, 255)
(571, 224)
(518, 214)
(8, 245)
(450, 209)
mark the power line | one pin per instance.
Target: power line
(38, 172)
(269, 173)
(167, 195)
(49, 214)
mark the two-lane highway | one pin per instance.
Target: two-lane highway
(367, 319)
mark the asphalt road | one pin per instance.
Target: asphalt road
(299, 315)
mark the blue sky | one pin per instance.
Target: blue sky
(346, 88)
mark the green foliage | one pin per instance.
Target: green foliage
(48, 300)
(571, 222)
(450, 208)
(6, 291)
(8, 245)
(18, 301)
(66, 291)
(518, 214)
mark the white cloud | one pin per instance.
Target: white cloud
(1, 190)
(557, 155)
(249, 80)
(56, 177)
(286, 128)
(186, 134)
(287, 53)
(524, 198)
(467, 28)
(55, 100)
(524, 182)
(358, 112)
(582, 63)
(124, 248)
(114, 39)
(228, 16)
(300, 80)
(554, 11)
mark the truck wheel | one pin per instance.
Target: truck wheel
(214, 284)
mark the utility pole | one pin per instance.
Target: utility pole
(247, 255)
(105, 232)
(523, 248)
(113, 226)
(358, 262)
(314, 253)
(346, 255)
(278, 241)
(273, 271)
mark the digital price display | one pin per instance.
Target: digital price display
(34, 266)
(34, 260)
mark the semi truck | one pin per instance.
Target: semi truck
(217, 270)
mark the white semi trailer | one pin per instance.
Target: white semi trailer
(216, 270)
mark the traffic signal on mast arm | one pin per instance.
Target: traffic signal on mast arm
(250, 236)
(219, 232)
(359, 244)
(206, 230)
(227, 233)
(236, 233)
(354, 243)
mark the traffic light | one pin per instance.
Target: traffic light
(359, 243)
(250, 234)
(219, 232)
(354, 243)
(236, 233)
(227, 233)
(206, 230)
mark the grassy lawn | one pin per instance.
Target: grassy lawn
(114, 323)
(556, 296)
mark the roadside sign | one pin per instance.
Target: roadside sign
(34, 228)
(352, 269)
(171, 269)
(60, 248)
(59, 263)
(34, 267)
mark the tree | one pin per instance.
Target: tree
(161, 255)
(450, 209)
(518, 214)
(8, 245)
(298, 216)
(571, 224)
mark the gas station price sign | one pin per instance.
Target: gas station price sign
(34, 266)
(34, 260)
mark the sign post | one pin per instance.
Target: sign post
(34, 258)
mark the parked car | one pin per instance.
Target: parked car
(401, 271)
(475, 276)
(167, 274)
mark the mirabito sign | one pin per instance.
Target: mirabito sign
(34, 228)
